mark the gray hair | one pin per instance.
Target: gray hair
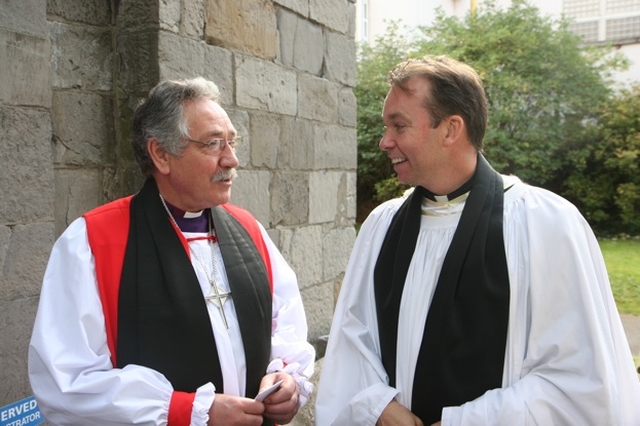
(161, 117)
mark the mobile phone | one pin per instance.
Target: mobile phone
(268, 391)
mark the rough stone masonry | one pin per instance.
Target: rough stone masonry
(72, 73)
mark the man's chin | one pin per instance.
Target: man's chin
(224, 197)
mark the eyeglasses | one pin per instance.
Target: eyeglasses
(217, 145)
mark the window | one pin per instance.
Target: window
(616, 21)
(364, 21)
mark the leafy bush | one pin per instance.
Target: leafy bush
(605, 183)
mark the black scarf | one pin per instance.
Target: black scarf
(463, 346)
(163, 321)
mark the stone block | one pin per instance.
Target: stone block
(5, 239)
(25, 260)
(251, 191)
(318, 306)
(301, 43)
(289, 198)
(323, 196)
(350, 198)
(302, 247)
(337, 245)
(77, 191)
(192, 18)
(240, 120)
(267, 139)
(93, 12)
(317, 99)
(347, 107)
(331, 13)
(121, 174)
(335, 147)
(345, 199)
(82, 127)
(298, 151)
(179, 57)
(265, 86)
(138, 51)
(218, 67)
(24, 17)
(169, 15)
(245, 25)
(301, 7)
(138, 15)
(287, 26)
(82, 57)
(351, 11)
(26, 175)
(25, 70)
(340, 58)
(16, 322)
(273, 142)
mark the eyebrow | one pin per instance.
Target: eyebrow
(395, 115)
(219, 134)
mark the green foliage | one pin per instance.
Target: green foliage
(542, 86)
(605, 184)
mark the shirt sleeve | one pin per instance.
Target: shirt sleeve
(69, 362)
(353, 387)
(290, 350)
(567, 360)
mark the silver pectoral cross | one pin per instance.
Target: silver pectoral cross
(218, 297)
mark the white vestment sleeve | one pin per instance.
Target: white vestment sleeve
(70, 369)
(353, 387)
(290, 351)
(568, 361)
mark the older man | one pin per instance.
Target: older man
(171, 306)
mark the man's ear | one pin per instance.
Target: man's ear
(159, 156)
(454, 130)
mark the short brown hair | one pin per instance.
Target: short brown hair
(456, 89)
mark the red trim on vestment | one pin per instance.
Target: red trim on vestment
(108, 231)
(180, 408)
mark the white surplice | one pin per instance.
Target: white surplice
(567, 358)
(70, 368)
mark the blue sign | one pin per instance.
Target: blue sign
(22, 413)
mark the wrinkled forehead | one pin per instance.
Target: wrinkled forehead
(206, 117)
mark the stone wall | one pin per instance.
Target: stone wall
(72, 73)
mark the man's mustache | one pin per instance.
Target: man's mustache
(229, 174)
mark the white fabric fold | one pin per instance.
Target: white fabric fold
(567, 361)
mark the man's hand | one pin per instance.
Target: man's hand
(231, 410)
(396, 414)
(283, 404)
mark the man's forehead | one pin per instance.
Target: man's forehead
(208, 118)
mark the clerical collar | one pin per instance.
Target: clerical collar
(189, 221)
(466, 187)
